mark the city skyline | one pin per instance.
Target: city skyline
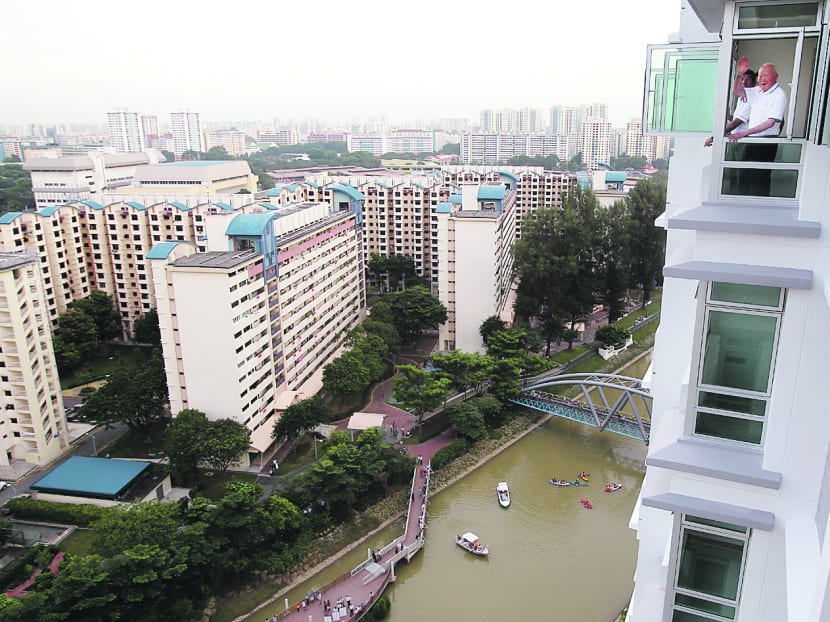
(170, 57)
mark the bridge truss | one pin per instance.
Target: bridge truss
(606, 415)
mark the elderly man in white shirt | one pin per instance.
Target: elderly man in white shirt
(768, 107)
(768, 104)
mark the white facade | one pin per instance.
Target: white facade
(596, 142)
(233, 141)
(126, 131)
(281, 302)
(187, 132)
(57, 181)
(32, 420)
(733, 515)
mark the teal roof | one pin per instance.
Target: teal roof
(312, 184)
(48, 211)
(249, 225)
(415, 183)
(270, 206)
(93, 204)
(455, 198)
(508, 174)
(615, 176)
(224, 206)
(162, 250)
(443, 208)
(276, 190)
(381, 184)
(353, 192)
(91, 477)
(136, 205)
(490, 192)
(178, 205)
(9, 217)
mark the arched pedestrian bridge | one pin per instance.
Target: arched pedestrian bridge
(624, 405)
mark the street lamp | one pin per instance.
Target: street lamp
(94, 446)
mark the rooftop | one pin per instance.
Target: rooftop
(85, 476)
(218, 260)
(9, 261)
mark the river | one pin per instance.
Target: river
(550, 558)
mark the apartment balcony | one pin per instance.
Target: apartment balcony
(755, 186)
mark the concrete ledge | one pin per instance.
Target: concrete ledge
(743, 274)
(713, 510)
(746, 219)
(713, 460)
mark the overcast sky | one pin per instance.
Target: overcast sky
(334, 60)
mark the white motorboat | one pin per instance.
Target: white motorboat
(470, 542)
(503, 493)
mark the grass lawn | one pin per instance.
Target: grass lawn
(79, 542)
(109, 357)
(213, 486)
(302, 454)
(564, 356)
(653, 307)
(139, 444)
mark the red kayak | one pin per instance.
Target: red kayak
(613, 487)
(586, 504)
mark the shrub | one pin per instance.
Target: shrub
(21, 568)
(612, 334)
(379, 610)
(447, 454)
(65, 513)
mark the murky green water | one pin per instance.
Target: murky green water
(551, 559)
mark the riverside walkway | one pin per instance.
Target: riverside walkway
(352, 594)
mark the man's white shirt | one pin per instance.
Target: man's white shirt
(770, 104)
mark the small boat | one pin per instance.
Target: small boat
(613, 487)
(503, 493)
(578, 483)
(470, 542)
(559, 482)
(586, 504)
(586, 477)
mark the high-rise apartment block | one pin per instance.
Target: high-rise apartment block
(32, 418)
(512, 121)
(232, 141)
(126, 132)
(266, 138)
(596, 142)
(733, 518)
(187, 132)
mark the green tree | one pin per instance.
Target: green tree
(489, 326)
(415, 310)
(490, 408)
(67, 355)
(614, 259)
(183, 442)
(419, 391)
(467, 421)
(384, 330)
(225, 441)
(217, 153)
(646, 201)
(189, 154)
(123, 527)
(465, 370)
(345, 375)
(135, 397)
(169, 156)
(556, 262)
(75, 328)
(100, 306)
(146, 328)
(300, 418)
(15, 189)
(505, 379)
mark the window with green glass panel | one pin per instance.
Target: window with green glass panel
(709, 570)
(737, 360)
(680, 92)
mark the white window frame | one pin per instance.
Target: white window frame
(690, 525)
(742, 309)
(737, 31)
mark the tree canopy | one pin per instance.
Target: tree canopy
(15, 189)
(415, 310)
(420, 391)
